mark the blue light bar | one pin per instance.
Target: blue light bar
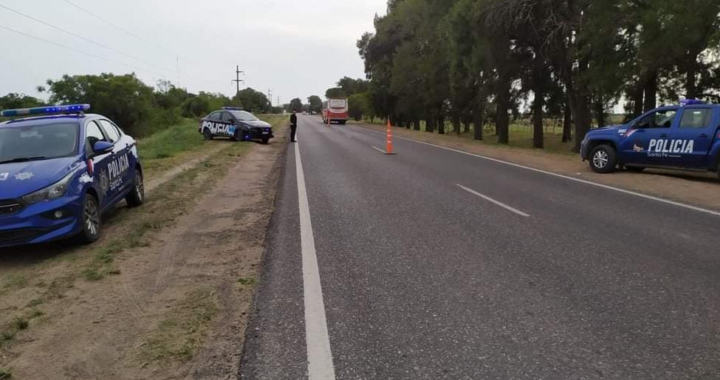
(48, 110)
(690, 102)
(232, 108)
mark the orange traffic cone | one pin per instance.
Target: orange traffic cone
(389, 146)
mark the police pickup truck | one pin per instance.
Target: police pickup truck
(686, 137)
(236, 124)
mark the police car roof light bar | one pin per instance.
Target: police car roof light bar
(232, 108)
(47, 110)
(690, 102)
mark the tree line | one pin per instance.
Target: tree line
(138, 108)
(472, 62)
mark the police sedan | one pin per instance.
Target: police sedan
(236, 124)
(60, 170)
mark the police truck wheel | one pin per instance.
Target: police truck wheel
(207, 135)
(136, 197)
(265, 140)
(603, 159)
(90, 220)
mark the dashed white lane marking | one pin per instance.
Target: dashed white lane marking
(319, 355)
(379, 150)
(623, 191)
(503, 205)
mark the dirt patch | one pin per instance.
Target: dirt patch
(173, 304)
(687, 187)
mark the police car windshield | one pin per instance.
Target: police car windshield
(244, 116)
(37, 142)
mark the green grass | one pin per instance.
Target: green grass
(245, 281)
(5, 374)
(171, 142)
(181, 332)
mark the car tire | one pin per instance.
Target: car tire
(265, 140)
(136, 197)
(207, 134)
(634, 169)
(343, 122)
(90, 220)
(603, 159)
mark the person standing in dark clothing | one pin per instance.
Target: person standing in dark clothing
(293, 126)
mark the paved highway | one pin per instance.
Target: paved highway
(433, 264)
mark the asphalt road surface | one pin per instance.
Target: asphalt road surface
(433, 264)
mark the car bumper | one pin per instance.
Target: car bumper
(261, 134)
(583, 150)
(38, 224)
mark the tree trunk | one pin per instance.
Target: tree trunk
(457, 128)
(651, 89)
(467, 124)
(691, 91)
(599, 106)
(537, 105)
(441, 125)
(430, 124)
(567, 121)
(502, 119)
(416, 124)
(638, 97)
(478, 116)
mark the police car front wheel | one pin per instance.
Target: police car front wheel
(90, 220)
(603, 159)
(207, 134)
(136, 197)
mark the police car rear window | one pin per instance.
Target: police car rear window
(38, 142)
(696, 118)
(244, 116)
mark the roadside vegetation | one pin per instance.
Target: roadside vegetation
(144, 110)
(450, 66)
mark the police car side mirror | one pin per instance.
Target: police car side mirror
(102, 147)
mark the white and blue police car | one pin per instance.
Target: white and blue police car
(236, 124)
(60, 169)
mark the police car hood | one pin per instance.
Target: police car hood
(257, 124)
(612, 129)
(22, 178)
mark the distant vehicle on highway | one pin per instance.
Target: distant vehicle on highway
(236, 124)
(686, 136)
(60, 171)
(335, 110)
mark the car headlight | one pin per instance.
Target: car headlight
(54, 191)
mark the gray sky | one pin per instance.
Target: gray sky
(296, 48)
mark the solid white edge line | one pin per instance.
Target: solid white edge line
(607, 187)
(319, 354)
(379, 150)
(503, 205)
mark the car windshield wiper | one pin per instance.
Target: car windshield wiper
(22, 159)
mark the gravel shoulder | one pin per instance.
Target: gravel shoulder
(164, 295)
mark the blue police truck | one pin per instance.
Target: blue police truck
(686, 136)
(60, 169)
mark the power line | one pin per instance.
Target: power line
(140, 38)
(83, 38)
(79, 51)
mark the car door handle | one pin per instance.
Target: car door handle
(704, 136)
(663, 136)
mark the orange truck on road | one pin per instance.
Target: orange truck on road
(335, 110)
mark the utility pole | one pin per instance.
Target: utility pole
(237, 79)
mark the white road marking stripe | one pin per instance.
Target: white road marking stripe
(503, 205)
(379, 150)
(607, 187)
(319, 355)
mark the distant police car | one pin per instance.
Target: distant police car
(236, 124)
(686, 136)
(60, 171)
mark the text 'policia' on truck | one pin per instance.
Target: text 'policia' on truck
(335, 110)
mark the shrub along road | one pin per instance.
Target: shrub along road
(434, 264)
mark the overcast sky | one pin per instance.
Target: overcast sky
(295, 48)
